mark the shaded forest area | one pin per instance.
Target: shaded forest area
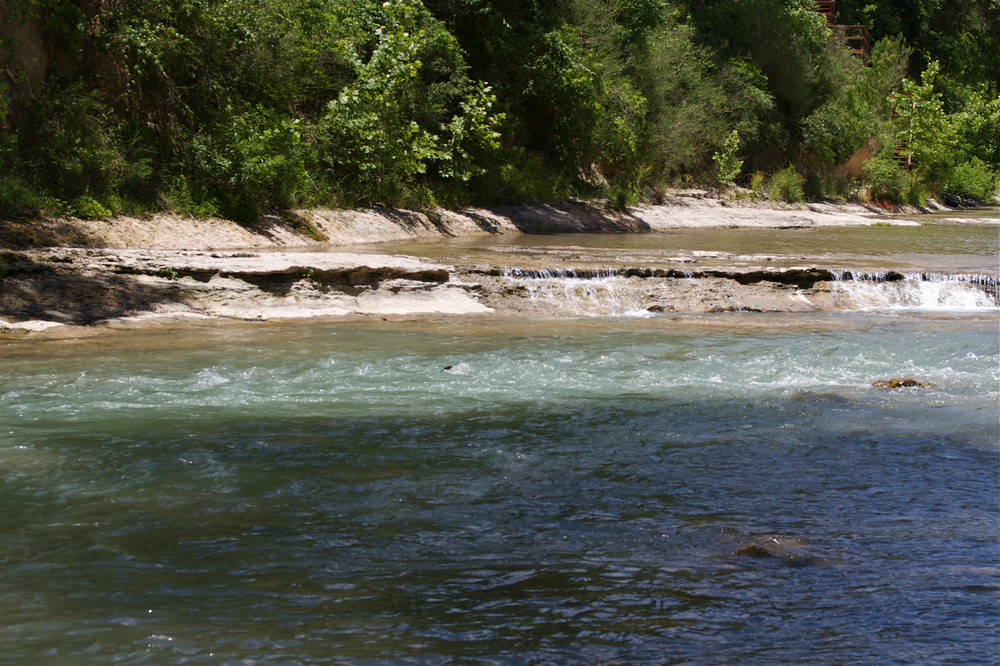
(230, 108)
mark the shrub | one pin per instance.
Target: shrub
(532, 181)
(886, 180)
(181, 197)
(787, 185)
(87, 207)
(19, 198)
(916, 190)
(256, 157)
(79, 149)
(757, 179)
(973, 180)
(728, 166)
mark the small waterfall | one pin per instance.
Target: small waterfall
(918, 291)
(616, 292)
(587, 274)
(581, 292)
(561, 274)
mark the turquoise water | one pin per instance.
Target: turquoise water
(483, 491)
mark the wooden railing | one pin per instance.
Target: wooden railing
(855, 36)
(827, 8)
(901, 152)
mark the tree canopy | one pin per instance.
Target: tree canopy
(229, 107)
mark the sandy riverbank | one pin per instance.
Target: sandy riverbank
(127, 273)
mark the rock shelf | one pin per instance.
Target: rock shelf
(90, 273)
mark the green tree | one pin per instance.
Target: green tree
(923, 128)
(963, 36)
(856, 113)
(977, 125)
(394, 123)
(800, 64)
(957, 150)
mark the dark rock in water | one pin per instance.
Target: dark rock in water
(810, 396)
(900, 382)
(790, 551)
(753, 550)
(516, 290)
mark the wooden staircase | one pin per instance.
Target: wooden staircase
(855, 36)
(827, 8)
(901, 152)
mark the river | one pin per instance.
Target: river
(721, 488)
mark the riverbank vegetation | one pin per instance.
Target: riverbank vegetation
(230, 108)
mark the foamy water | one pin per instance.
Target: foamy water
(921, 292)
(605, 292)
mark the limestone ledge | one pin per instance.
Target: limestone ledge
(44, 290)
(64, 272)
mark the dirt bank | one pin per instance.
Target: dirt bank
(694, 208)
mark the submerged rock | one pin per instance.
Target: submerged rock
(753, 550)
(789, 550)
(900, 382)
(810, 396)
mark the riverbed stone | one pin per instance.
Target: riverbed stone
(753, 550)
(900, 382)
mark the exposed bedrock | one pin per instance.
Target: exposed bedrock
(694, 293)
(802, 289)
(803, 278)
(87, 286)
(79, 286)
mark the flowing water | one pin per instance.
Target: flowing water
(711, 489)
(913, 248)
